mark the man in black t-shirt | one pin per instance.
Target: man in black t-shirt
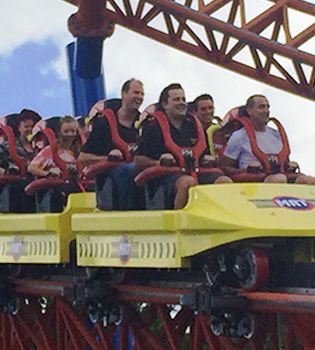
(100, 146)
(151, 150)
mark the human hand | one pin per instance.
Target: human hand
(254, 167)
(54, 172)
(208, 161)
(292, 167)
(115, 155)
(167, 159)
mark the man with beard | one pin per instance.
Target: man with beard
(100, 145)
(238, 155)
(152, 148)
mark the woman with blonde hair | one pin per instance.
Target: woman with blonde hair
(53, 198)
(68, 149)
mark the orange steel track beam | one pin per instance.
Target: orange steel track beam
(234, 43)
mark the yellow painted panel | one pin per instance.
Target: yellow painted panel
(41, 238)
(128, 250)
(214, 215)
(30, 248)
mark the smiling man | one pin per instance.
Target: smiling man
(100, 145)
(204, 110)
(152, 149)
(238, 155)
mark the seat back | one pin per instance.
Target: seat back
(45, 134)
(12, 183)
(8, 137)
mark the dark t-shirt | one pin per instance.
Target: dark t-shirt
(6, 162)
(100, 140)
(151, 143)
(22, 152)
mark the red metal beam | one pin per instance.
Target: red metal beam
(291, 75)
(304, 36)
(63, 326)
(281, 302)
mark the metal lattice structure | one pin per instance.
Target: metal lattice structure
(57, 324)
(265, 46)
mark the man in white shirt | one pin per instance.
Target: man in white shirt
(238, 155)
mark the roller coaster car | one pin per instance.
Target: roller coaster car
(248, 233)
(243, 235)
(51, 191)
(252, 236)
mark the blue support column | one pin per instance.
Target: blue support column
(85, 71)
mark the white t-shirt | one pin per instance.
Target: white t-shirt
(238, 146)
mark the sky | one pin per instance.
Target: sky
(33, 71)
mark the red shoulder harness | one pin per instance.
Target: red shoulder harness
(9, 135)
(264, 158)
(176, 150)
(118, 142)
(61, 164)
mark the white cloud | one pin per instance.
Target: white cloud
(32, 21)
(36, 21)
(49, 93)
(130, 55)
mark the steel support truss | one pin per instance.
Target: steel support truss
(263, 47)
(150, 318)
(62, 327)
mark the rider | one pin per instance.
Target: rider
(68, 149)
(183, 131)
(203, 106)
(45, 164)
(100, 145)
(23, 125)
(238, 154)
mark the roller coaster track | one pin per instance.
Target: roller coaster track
(262, 47)
(57, 324)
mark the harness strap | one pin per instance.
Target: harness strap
(7, 130)
(61, 164)
(176, 150)
(282, 156)
(118, 142)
